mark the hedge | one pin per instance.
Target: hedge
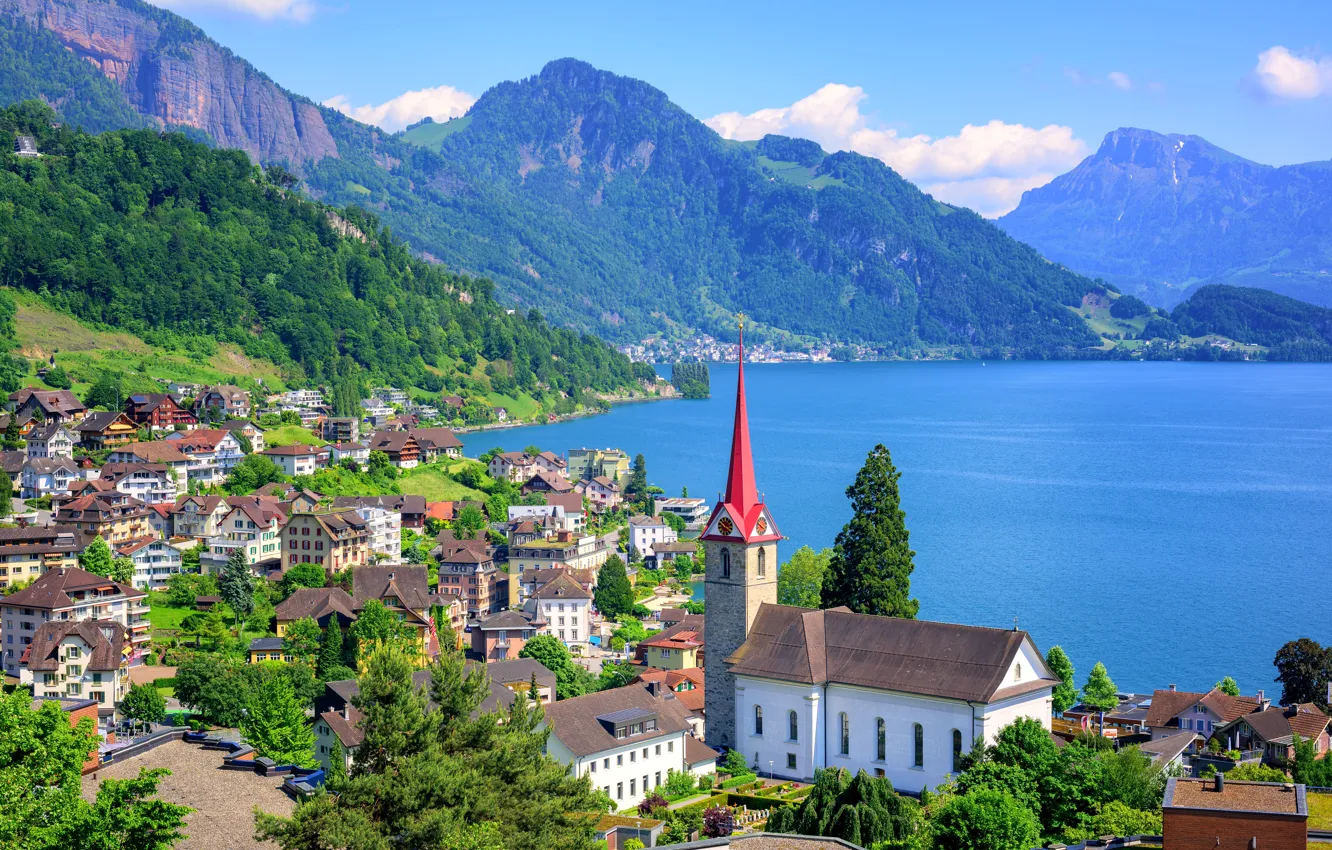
(730, 798)
(165, 682)
(737, 781)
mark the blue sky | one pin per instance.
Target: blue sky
(1037, 87)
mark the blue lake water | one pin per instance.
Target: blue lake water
(1173, 520)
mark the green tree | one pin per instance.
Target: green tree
(1065, 693)
(302, 640)
(274, 723)
(637, 487)
(303, 575)
(469, 521)
(614, 596)
(378, 624)
(253, 472)
(985, 820)
(1304, 668)
(497, 508)
(13, 439)
(871, 565)
(1100, 692)
(6, 494)
(330, 651)
(58, 378)
(800, 580)
(1256, 772)
(236, 584)
(144, 702)
(1228, 686)
(97, 558)
(122, 570)
(1116, 818)
(105, 393)
(570, 679)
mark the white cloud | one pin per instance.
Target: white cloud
(440, 103)
(1283, 74)
(292, 10)
(986, 167)
(1119, 80)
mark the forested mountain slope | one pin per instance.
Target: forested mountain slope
(166, 237)
(1255, 316)
(1161, 214)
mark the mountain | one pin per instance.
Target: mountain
(188, 246)
(595, 199)
(1293, 329)
(1158, 215)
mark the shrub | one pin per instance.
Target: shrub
(705, 782)
(718, 822)
(737, 781)
(651, 804)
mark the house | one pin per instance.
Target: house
(467, 569)
(247, 429)
(898, 698)
(1173, 711)
(304, 398)
(645, 532)
(1168, 753)
(693, 625)
(502, 635)
(566, 511)
(551, 463)
(375, 407)
(603, 493)
(624, 740)
(216, 403)
(515, 467)
(52, 405)
(391, 395)
(102, 429)
(357, 453)
(1274, 730)
(566, 606)
(79, 658)
(436, 443)
(337, 721)
(692, 511)
(26, 146)
(402, 588)
(501, 414)
(1216, 814)
(321, 604)
(452, 402)
(154, 559)
(673, 652)
(158, 412)
(401, 447)
(26, 422)
(26, 553)
(159, 519)
(616, 831)
(293, 460)
(411, 508)
(423, 412)
(71, 594)
(561, 550)
(335, 540)
(547, 482)
(530, 580)
(299, 500)
(212, 454)
(700, 759)
(199, 517)
(679, 681)
(150, 483)
(51, 440)
(253, 524)
(111, 515)
(586, 464)
(342, 429)
(154, 451)
(267, 649)
(47, 477)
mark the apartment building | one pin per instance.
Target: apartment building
(79, 659)
(253, 525)
(71, 594)
(111, 515)
(150, 483)
(26, 553)
(154, 559)
(335, 540)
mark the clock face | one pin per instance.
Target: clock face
(726, 526)
(762, 526)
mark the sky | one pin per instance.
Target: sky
(975, 102)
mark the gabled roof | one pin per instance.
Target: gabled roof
(100, 420)
(1280, 724)
(571, 502)
(47, 465)
(683, 639)
(393, 442)
(505, 620)
(51, 589)
(561, 587)
(410, 584)
(129, 547)
(887, 653)
(1162, 751)
(55, 402)
(199, 440)
(155, 451)
(436, 438)
(696, 752)
(576, 721)
(44, 433)
(403, 504)
(553, 480)
(1167, 705)
(105, 638)
(316, 603)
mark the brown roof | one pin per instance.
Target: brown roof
(561, 587)
(672, 678)
(887, 653)
(694, 700)
(553, 480)
(37, 539)
(315, 603)
(1267, 797)
(439, 438)
(62, 402)
(1280, 724)
(106, 638)
(403, 504)
(571, 502)
(51, 589)
(576, 721)
(1167, 705)
(683, 639)
(199, 440)
(392, 441)
(409, 583)
(156, 451)
(697, 752)
(1165, 750)
(298, 450)
(100, 420)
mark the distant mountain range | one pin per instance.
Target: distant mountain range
(1160, 215)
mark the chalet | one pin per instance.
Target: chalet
(158, 412)
(401, 447)
(436, 443)
(1173, 711)
(51, 440)
(216, 403)
(50, 405)
(150, 483)
(411, 508)
(79, 658)
(547, 482)
(321, 604)
(69, 594)
(104, 429)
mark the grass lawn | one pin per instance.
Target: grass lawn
(1320, 811)
(161, 616)
(290, 435)
(522, 407)
(167, 693)
(432, 482)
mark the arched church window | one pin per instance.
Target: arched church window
(762, 563)
(726, 563)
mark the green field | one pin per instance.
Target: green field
(522, 407)
(84, 351)
(291, 435)
(1320, 811)
(433, 483)
(431, 135)
(357, 188)
(794, 172)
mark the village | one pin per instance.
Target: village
(163, 558)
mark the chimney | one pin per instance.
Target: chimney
(1171, 686)
(654, 688)
(1220, 783)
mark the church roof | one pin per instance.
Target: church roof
(741, 516)
(886, 653)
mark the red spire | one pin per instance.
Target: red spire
(741, 491)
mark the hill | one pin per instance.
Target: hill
(1160, 215)
(1294, 330)
(193, 249)
(595, 199)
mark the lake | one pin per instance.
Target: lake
(1173, 520)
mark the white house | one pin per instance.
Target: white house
(375, 407)
(515, 467)
(646, 532)
(625, 740)
(304, 398)
(893, 697)
(293, 460)
(154, 561)
(212, 453)
(50, 441)
(692, 511)
(566, 606)
(385, 527)
(47, 476)
(356, 452)
(603, 493)
(150, 483)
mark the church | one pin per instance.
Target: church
(796, 690)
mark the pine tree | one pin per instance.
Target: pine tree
(336, 774)
(330, 649)
(6, 494)
(236, 585)
(614, 596)
(1065, 693)
(393, 710)
(871, 566)
(274, 723)
(13, 439)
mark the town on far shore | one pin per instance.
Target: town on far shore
(228, 586)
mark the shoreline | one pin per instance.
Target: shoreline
(564, 417)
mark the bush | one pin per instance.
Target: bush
(718, 822)
(985, 819)
(735, 763)
(737, 781)
(705, 782)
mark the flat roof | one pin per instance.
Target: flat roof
(1273, 798)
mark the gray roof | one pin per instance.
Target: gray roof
(1165, 750)
(265, 643)
(576, 721)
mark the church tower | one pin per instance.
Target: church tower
(740, 542)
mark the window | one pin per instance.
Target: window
(633, 755)
(957, 751)
(619, 760)
(919, 755)
(605, 763)
(645, 749)
(633, 787)
(726, 563)
(657, 780)
(657, 753)
(793, 724)
(593, 767)
(880, 739)
(758, 720)
(619, 790)
(846, 733)
(670, 746)
(762, 563)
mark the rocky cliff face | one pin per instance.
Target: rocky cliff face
(171, 71)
